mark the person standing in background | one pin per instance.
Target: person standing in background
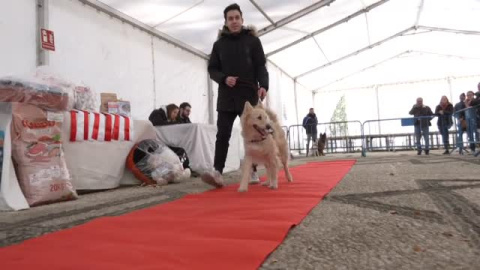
(422, 125)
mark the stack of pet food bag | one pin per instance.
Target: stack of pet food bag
(37, 107)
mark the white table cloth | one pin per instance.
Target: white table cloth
(198, 140)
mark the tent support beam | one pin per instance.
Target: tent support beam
(449, 30)
(419, 14)
(42, 22)
(363, 69)
(357, 52)
(346, 19)
(399, 83)
(211, 102)
(295, 16)
(262, 11)
(279, 68)
(144, 27)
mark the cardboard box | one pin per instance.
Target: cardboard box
(119, 107)
(104, 99)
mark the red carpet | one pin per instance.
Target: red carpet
(220, 229)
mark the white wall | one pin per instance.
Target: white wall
(17, 35)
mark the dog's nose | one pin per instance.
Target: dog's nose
(268, 126)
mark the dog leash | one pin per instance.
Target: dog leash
(249, 84)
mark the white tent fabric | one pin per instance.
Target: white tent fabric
(323, 45)
(17, 29)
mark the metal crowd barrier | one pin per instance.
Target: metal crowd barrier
(469, 129)
(394, 134)
(343, 137)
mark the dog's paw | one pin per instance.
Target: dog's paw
(266, 183)
(242, 189)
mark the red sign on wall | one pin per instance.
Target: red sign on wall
(48, 41)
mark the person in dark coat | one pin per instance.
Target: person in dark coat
(459, 114)
(238, 64)
(184, 113)
(471, 118)
(310, 123)
(444, 112)
(422, 125)
(165, 115)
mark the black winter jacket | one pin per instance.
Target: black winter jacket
(238, 55)
(444, 120)
(159, 117)
(422, 112)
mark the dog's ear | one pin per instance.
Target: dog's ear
(259, 105)
(248, 107)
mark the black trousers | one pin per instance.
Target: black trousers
(224, 132)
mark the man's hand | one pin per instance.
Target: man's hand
(231, 81)
(262, 93)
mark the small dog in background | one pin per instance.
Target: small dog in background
(322, 142)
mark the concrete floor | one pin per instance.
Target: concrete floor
(392, 211)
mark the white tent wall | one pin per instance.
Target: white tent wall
(181, 77)
(17, 32)
(326, 102)
(304, 102)
(279, 98)
(107, 55)
(394, 101)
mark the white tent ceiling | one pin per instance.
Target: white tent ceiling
(343, 44)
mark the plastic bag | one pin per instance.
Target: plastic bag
(154, 163)
(33, 91)
(81, 97)
(38, 154)
(47, 90)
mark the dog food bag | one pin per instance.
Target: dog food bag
(38, 154)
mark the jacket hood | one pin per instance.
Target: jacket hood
(250, 29)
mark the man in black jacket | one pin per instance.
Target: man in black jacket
(310, 123)
(184, 113)
(238, 65)
(422, 124)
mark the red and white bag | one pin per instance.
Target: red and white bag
(90, 126)
(38, 154)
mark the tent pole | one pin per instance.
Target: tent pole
(42, 22)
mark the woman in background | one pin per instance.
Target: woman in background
(165, 115)
(444, 112)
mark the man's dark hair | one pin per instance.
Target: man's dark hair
(311, 108)
(185, 105)
(462, 94)
(230, 8)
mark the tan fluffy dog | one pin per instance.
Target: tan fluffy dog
(265, 143)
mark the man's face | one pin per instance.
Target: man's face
(462, 97)
(234, 21)
(419, 102)
(311, 111)
(186, 111)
